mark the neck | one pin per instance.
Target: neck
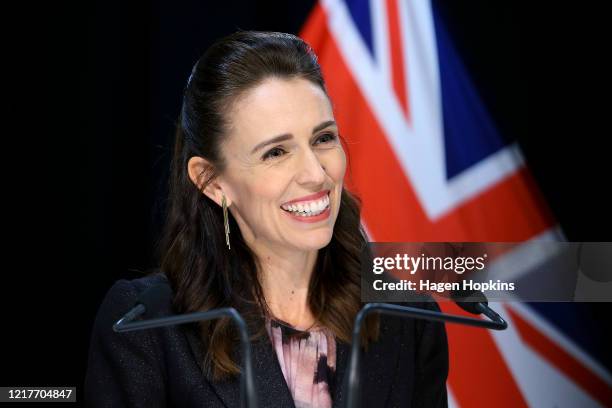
(285, 279)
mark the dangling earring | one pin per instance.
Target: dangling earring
(225, 221)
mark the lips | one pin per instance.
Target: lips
(311, 197)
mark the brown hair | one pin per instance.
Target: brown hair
(203, 273)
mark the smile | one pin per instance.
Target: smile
(308, 208)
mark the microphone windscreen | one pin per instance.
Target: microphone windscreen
(155, 298)
(595, 260)
(468, 301)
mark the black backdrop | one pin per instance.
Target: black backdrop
(94, 93)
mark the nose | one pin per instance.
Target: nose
(311, 170)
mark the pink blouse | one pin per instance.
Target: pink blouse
(308, 362)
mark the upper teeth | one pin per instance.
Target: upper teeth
(308, 206)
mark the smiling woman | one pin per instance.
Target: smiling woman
(261, 174)
(260, 220)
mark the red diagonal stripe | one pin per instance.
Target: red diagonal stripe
(562, 360)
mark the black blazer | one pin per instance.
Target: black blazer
(407, 367)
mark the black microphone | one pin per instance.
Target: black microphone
(352, 377)
(476, 303)
(151, 300)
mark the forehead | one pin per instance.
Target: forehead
(278, 106)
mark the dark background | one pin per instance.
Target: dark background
(92, 96)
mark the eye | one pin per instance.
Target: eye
(272, 153)
(326, 137)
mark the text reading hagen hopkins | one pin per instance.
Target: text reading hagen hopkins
(439, 274)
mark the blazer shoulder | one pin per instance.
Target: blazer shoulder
(125, 368)
(415, 327)
(141, 284)
(124, 294)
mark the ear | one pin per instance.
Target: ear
(199, 170)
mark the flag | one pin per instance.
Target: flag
(429, 164)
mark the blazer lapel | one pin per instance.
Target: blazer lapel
(378, 367)
(338, 393)
(270, 384)
(269, 379)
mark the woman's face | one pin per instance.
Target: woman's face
(285, 165)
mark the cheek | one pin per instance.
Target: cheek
(336, 164)
(266, 188)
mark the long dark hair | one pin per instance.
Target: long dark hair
(204, 274)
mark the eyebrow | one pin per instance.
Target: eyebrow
(287, 136)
